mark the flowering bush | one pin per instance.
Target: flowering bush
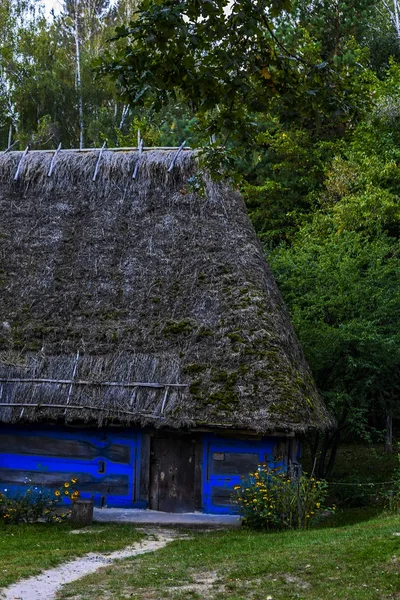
(270, 499)
(36, 504)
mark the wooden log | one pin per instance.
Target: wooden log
(107, 409)
(42, 445)
(120, 149)
(74, 371)
(176, 156)
(53, 160)
(20, 163)
(140, 146)
(164, 399)
(98, 161)
(82, 513)
(100, 383)
(9, 148)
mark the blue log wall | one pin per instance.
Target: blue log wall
(107, 464)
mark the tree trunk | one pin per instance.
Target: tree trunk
(82, 512)
(125, 111)
(10, 136)
(78, 75)
(389, 434)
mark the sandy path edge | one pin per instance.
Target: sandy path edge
(45, 585)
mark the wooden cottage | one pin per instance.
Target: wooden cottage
(144, 346)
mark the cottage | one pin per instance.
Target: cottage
(144, 346)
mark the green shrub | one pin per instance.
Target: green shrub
(270, 499)
(392, 496)
(355, 492)
(36, 504)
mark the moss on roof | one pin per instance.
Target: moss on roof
(141, 281)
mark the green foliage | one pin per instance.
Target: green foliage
(270, 499)
(36, 504)
(340, 271)
(343, 294)
(393, 495)
(232, 64)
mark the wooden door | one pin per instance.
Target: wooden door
(172, 477)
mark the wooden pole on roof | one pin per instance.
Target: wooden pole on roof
(20, 162)
(171, 166)
(140, 147)
(89, 150)
(74, 372)
(11, 147)
(53, 160)
(10, 135)
(98, 161)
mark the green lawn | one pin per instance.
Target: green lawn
(28, 549)
(360, 561)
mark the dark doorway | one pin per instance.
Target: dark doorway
(172, 474)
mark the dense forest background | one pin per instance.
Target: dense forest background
(298, 102)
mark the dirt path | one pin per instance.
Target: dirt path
(46, 585)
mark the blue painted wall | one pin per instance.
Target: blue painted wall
(107, 464)
(101, 474)
(225, 461)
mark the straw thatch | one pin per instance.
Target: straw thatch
(112, 285)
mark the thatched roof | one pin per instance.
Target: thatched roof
(139, 301)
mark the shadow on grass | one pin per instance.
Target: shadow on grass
(348, 516)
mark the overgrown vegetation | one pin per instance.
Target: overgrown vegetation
(37, 504)
(271, 499)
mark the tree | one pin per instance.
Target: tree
(393, 9)
(231, 63)
(340, 277)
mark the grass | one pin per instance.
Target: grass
(356, 562)
(26, 550)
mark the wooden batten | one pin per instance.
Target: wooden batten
(225, 431)
(143, 492)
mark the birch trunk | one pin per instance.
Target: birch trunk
(389, 434)
(125, 111)
(396, 17)
(78, 74)
(393, 9)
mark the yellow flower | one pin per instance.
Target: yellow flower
(66, 492)
(74, 480)
(57, 493)
(318, 504)
(66, 484)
